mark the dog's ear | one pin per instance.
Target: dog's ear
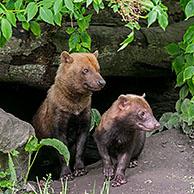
(123, 102)
(96, 53)
(66, 57)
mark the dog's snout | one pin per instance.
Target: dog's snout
(101, 82)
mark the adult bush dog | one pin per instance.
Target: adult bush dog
(120, 136)
(65, 113)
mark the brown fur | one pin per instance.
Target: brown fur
(120, 135)
(68, 101)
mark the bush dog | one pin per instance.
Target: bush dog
(68, 105)
(121, 133)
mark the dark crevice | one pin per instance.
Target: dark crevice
(23, 101)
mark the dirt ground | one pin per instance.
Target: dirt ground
(166, 166)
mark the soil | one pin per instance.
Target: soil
(166, 166)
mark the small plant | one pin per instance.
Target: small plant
(183, 66)
(34, 146)
(8, 178)
(5, 181)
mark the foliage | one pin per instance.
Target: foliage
(132, 11)
(183, 66)
(30, 13)
(5, 181)
(33, 146)
(8, 178)
(95, 118)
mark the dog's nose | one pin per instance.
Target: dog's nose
(157, 125)
(101, 82)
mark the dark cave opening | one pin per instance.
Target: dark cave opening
(23, 101)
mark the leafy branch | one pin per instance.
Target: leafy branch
(30, 13)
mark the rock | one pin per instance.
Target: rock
(14, 133)
(145, 57)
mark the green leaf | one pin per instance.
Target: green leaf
(21, 17)
(58, 19)
(25, 25)
(35, 28)
(12, 168)
(173, 121)
(191, 110)
(95, 118)
(83, 23)
(185, 106)
(188, 73)
(147, 5)
(59, 146)
(32, 145)
(178, 105)
(189, 59)
(189, 35)
(86, 40)
(173, 49)
(74, 40)
(131, 25)
(31, 10)
(2, 40)
(184, 91)
(189, 9)
(48, 3)
(96, 7)
(165, 118)
(128, 40)
(190, 48)
(11, 18)
(88, 2)
(14, 153)
(192, 99)
(69, 5)
(156, 1)
(6, 184)
(191, 86)
(18, 4)
(3, 7)
(6, 28)
(46, 15)
(178, 64)
(163, 20)
(183, 3)
(57, 6)
(70, 30)
(115, 8)
(10, 5)
(179, 79)
(152, 16)
(3, 174)
(182, 45)
(1, 11)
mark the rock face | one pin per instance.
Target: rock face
(14, 133)
(21, 59)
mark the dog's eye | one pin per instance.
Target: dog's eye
(141, 114)
(84, 71)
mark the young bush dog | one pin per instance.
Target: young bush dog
(120, 135)
(68, 105)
